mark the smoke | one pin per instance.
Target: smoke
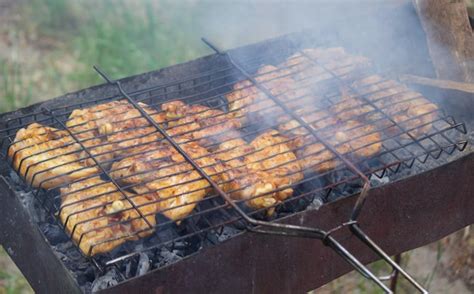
(387, 32)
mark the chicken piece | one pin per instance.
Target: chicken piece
(313, 155)
(352, 106)
(316, 157)
(99, 217)
(199, 123)
(318, 118)
(164, 173)
(46, 157)
(117, 124)
(295, 78)
(319, 64)
(348, 137)
(252, 185)
(361, 140)
(408, 109)
(273, 153)
(248, 101)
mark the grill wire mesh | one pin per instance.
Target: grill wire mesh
(402, 140)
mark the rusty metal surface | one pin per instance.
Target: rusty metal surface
(26, 245)
(256, 263)
(403, 215)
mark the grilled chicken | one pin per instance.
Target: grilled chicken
(99, 217)
(118, 125)
(412, 112)
(351, 137)
(47, 157)
(267, 163)
(292, 80)
(156, 178)
(352, 106)
(199, 123)
(274, 154)
(252, 185)
(248, 102)
(164, 173)
(319, 65)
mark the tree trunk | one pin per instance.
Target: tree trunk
(449, 37)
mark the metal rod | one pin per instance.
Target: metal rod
(327, 238)
(104, 171)
(360, 201)
(394, 277)
(355, 263)
(202, 172)
(302, 122)
(371, 244)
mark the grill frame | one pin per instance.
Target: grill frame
(23, 247)
(210, 57)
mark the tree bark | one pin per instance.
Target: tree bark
(449, 37)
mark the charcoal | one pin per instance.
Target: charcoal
(54, 233)
(128, 269)
(111, 278)
(227, 233)
(143, 265)
(86, 276)
(168, 257)
(86, 287)
(164, 233)
(375, 181)
(316, 203)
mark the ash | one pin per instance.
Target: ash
(108, 280)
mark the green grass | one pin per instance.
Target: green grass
(11, 281)
(15, 90)
(122, 37)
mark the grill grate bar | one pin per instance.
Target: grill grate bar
(361, 199)
(104, 171)
(314, 233)
(301, 121)
(211, 89)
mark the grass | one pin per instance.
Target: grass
(11, 281)
(122, 37)
(15, 90)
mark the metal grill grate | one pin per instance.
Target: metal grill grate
(402, 142)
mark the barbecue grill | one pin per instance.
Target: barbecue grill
(220, 230)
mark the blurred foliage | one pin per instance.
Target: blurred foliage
(14, 89)
(123, 37)
(11, 281)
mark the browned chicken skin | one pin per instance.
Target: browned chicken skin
(242, 182)
(100, 218)
(164, 173)
(249, 102)
(199, 123)
(274, 154)
(267, 163)
(409, 109)
(118, 124)
(47, 157)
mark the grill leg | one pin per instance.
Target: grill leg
(372, 245)
(394, 278)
